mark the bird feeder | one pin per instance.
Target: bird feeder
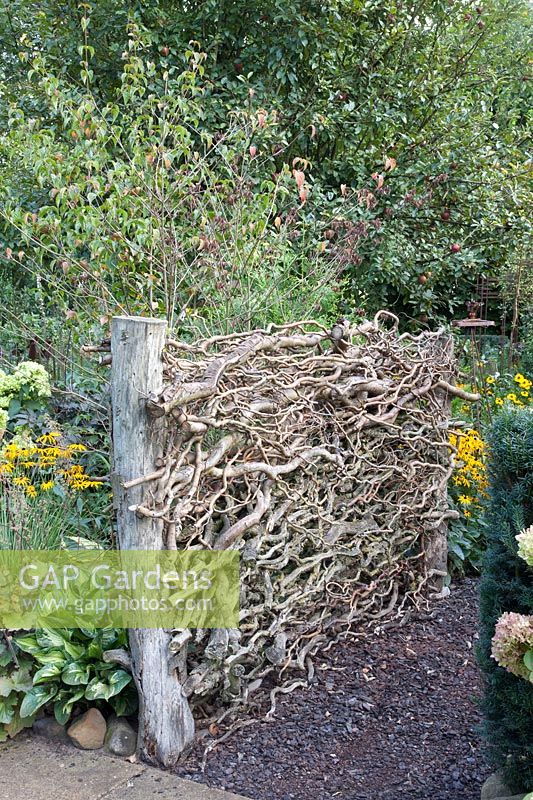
(474, 325)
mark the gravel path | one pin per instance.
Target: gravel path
(388, 718)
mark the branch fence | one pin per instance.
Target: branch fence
(322, 455)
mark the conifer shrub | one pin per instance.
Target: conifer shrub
(507, 587)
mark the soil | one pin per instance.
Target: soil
(393, 716)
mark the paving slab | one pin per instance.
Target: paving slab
(157, 785)
(34, 768)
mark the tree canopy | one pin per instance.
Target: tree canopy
(409, 122)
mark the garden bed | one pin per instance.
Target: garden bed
(392, 716)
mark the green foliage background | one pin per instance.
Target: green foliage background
(442, 87)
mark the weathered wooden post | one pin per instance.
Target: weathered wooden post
(166, 725)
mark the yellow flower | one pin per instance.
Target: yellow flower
(49, 438)
(464, 499)
(44, 463)
(51, 452)
(11, 452)
(74, 448)
(524, 394)
(467, 513)
(84, 482)
(21, 480)
(47, 485)
(6, 469)
(74, 470)
(31, 491)
(491, 379)
(499, 401)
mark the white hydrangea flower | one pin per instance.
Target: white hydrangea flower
(34, 376)
(9, 385)
(525, 545)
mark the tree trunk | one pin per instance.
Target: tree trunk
(166, 725)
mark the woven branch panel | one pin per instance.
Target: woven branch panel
(323, 456)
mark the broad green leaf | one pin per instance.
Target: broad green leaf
(28, 644)
(36, 699)
(6, 686)
(47, 638)
(75, 651)
(22, 679)
(5, 655)
(7, 708)
(108, 638)
(97, 690)
(88, 633)
(18, 724)
(118, 680)
(94, 651)
(76, 674)
(46, 673)
(64, 705)
(456, 548)
(51, 657)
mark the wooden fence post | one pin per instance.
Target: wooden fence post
(166, 725)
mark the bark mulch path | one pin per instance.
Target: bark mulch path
(393, 717)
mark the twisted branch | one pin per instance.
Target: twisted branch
(323, 456)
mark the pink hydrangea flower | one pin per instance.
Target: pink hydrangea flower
(512, 639)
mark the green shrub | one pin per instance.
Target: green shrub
(466, 545)
(339, 77)
(15, 681)
(69, 669)
(507, 586)
(526, 336)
